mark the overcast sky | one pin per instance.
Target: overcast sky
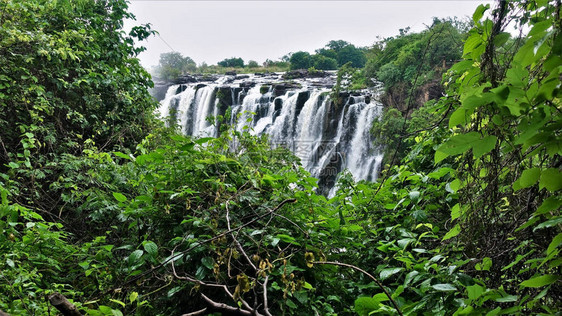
(210, 31)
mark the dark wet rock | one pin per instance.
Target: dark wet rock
(159, 90)
(240, 77)
(181, 89)
(247, 84)
(303, 73)
(282, 87)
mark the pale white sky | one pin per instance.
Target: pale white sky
(210, 31)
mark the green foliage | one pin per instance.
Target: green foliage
(351, 54)
(348, 79)
(324, 63)
(507, 155)
(173, 64)
(253, 64)
(468, 223)
(408, 57)
(300, 60)
(232, 62)
(69, 79)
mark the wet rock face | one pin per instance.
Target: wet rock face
(303, 73)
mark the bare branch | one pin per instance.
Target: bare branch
(265, 303)
(238, 245)
(63, 305)
(198, 244)
(221, 307)
(199, 312)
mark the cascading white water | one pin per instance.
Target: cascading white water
(327, 139)
(282, 131)
(360, 158)
(185, 109)
(205, 99)
(164, 109)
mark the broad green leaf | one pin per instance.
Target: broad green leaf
(151, 248)
(472, 102)
(549, 205)
(444, 287)
(208, 262)
(458, 117)
(409, 277)
(459, 144)
(386, 273)
(494, 312)
(203, 140)
(540, 281)
(556, 241)
(551, 222)
(290, 303)
(118, 302)
(173, 291)
(455, 211)
(507, 299)
(471, 43)
(135, 256)
(365, 305)
(551, 179)
(133, 296)
(474, 291)
(540, 27)
(122, 155)
(439, 156)
(454, 185)
(528, 178)
(501, 38)
(485, 265)
(453, 232)
(119, 197)
(484, 146)
(479, 12)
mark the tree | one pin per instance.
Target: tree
(326, 52)
(300, 60)
(351, 54)
(232, 62)
(253, 64)
(321, 62)
(337, 45)
(69, 75)
(173, 65)
(70, 83)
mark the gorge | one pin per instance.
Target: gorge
(298, 114)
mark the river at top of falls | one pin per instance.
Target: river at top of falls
(299, 116)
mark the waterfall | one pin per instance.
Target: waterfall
(301, 117)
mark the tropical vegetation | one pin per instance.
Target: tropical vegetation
(104, 206)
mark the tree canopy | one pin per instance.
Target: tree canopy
(232, 62)
(173, 65)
